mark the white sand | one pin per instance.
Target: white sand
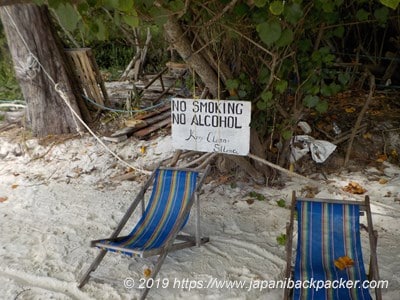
(55, 204)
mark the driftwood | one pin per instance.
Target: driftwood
(136, 64)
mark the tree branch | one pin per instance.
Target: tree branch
(361, 115)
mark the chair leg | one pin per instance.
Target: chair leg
(198, 233)
(93, 267)
(157, 268)
(289, 244)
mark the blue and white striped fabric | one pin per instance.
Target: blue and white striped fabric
(326, 232)
(172, 192)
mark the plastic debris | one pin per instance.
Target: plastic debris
(302, 144)
(304, 126)
(336, 128)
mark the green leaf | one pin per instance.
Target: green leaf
(328, 7)
(262, 105)
(242, 94)
(112, 4)
(390, 3)
(339, 32)
(362, 15)
(159, 14)
(293, 13)
(276, 8)
(286, 38)
(102, 32)
(263, 75)
(344, 78)
(232, 84)
(241, 9)
(125, 5)
(381, 14)
(281, 203)
(53, 3)
(131, 20)
(267, 96)
(322, 106)
(269, 32)
(281, 86)
(177, 5)
(281, 239)
(83, 7)
(310, 101)
(325, 90)
(68, 16)
(258, 196)
(335, 88)
(287, 134)
(260, 3)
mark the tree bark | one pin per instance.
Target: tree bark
(194, 59)
(31, 35)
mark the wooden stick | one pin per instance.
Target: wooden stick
(280, 169)
(360, 116)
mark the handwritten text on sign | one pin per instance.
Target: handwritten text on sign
(211, 125)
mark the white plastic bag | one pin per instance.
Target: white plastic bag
(302, 144)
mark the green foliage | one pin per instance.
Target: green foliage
(281, 55)
(70, 16)
(281, 203)
(393, 4)
(112, 54)
(276, 8)
(94, 20)
(9, 88)
(281, 239)
(269, 31)
(258, 196)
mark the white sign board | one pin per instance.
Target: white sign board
(211, 125)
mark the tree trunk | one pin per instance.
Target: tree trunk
(31, 35)
(194, 59)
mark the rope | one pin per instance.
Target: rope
(12, 105)
(13, 101)
(65, 98)
(29, 69)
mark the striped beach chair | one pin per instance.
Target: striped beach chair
(166, 213)
(329, 260)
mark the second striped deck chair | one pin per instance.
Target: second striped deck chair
(329, 260)
(167, 211)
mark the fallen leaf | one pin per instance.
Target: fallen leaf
(367, 136)
(250, 201)
(382, 158)
(354, 188)
(147, 272)
(134, 123)
(143, 149)
(14, 186)
(350, 109)
(3, 199)
(343, 262)
(383, 181)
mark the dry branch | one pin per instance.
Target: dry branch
(360, 116)
(282, 170)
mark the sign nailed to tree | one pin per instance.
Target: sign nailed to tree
(211, 125)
